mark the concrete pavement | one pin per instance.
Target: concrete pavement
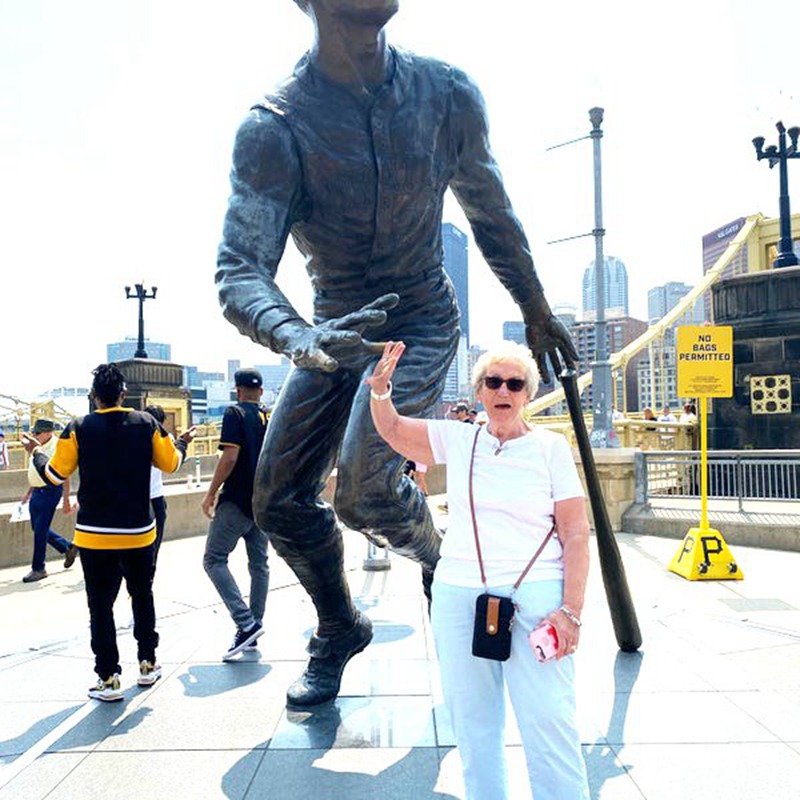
(708, 708)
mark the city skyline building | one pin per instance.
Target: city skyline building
(274, 375)
(456, 265)
(662, 299)
(194, 377)
(616, 289)
(566, 314)
(126, 349)
(457, 382)
(620, 332)
(514, 331)
(473, 354)
(714, 244)
(658, 385)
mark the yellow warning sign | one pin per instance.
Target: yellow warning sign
(705, 360)
(703, 556)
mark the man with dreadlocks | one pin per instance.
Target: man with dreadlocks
(352, 155)
(114, 448)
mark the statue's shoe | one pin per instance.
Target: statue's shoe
(322, 676)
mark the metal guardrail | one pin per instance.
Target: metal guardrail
(732, 474)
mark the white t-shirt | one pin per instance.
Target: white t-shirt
(156, 482)
(515, 492)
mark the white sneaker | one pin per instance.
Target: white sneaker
(149, 673)
(108, 690)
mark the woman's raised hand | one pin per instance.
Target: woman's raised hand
(384, 369)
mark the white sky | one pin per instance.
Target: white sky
(117, 121)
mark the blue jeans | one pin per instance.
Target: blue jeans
(229, 525)
(43, 504)
(543, 696)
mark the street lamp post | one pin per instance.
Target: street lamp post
(141, 295)
(780, 155)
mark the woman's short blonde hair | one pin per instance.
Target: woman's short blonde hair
(505, 352)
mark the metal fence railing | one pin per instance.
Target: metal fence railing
(732, 474)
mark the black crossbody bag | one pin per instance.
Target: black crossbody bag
(494, 615)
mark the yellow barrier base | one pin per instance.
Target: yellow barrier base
(704, 556)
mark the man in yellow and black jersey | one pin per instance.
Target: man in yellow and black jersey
(114, 448)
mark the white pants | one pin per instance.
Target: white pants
(543, 696)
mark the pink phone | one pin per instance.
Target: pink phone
(544, 641)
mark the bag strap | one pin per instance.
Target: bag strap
(475, 526)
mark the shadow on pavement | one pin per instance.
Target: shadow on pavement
(106, 721)
(11, 749)
(205, 680)
(602, 761)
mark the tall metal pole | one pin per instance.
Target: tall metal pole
(603, 434)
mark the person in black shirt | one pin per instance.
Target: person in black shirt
(243, 427)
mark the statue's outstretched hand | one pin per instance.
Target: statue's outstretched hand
(324, 346)
(547, 337)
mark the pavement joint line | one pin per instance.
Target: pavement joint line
(10, 771)
(24, 760)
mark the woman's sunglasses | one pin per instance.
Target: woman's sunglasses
(514, 384)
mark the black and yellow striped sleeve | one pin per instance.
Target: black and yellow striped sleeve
(64, 461)
(167, 456)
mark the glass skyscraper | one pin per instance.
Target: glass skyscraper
(456, 262)
(616, 289)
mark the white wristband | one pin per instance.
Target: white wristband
(385, 396)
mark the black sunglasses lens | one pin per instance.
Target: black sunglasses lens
(514, 384)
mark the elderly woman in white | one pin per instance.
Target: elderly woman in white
(524, 482)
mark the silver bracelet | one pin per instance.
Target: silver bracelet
(385, 396)
(571, 616)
